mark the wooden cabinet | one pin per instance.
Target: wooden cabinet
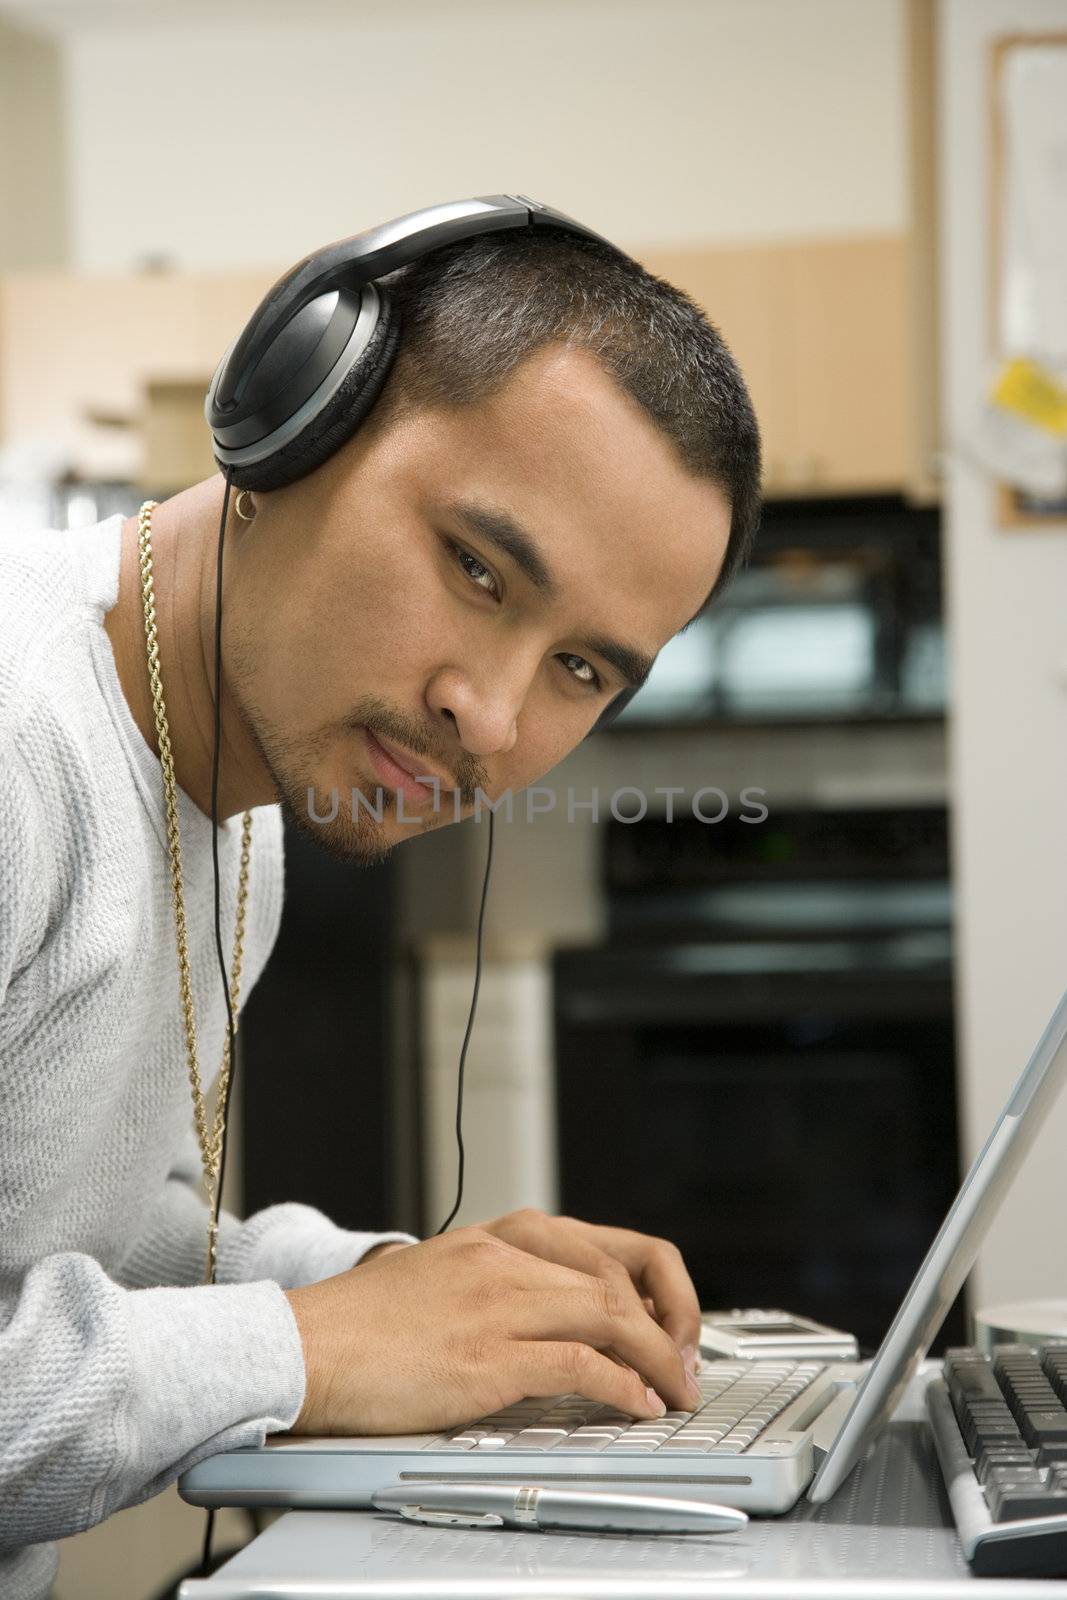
(745, 294)
(77, 348)
(821, 332)
(849, 309)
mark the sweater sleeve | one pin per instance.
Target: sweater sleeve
(108, 1394)
(109, 1390)
(291, 1244)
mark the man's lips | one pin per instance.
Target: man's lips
(402, 771)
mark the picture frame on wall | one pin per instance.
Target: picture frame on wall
(1028, 211)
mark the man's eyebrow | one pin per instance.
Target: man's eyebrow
(512, 539)
(632, 665)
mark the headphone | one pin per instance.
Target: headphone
(307, 368)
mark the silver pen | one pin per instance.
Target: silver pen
(492, 1505)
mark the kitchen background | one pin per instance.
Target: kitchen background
(775, 1042)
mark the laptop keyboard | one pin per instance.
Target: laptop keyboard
(1012, 1413)
(741, 1399)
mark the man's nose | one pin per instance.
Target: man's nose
(484, 707)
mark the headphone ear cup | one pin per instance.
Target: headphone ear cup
(339, 419)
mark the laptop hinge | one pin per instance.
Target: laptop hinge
(828, 1424)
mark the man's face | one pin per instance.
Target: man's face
(464, 592)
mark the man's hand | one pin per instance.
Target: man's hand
(457, 1326)
(382, 1249)
(634, 1263)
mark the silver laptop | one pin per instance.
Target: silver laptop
(767, 1431)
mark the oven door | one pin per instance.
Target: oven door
(783, 1110)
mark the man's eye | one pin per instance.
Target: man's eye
(579, 668)
(474, 569)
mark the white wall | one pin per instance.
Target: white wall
(237, 136)
(33, 210)
(1007, 609)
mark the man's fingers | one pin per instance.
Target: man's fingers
(637, 1268)
(548, 1366)
(654, 1266)
(657, 1267)
(596, 1313)
(570, 1248)
(566, 1242)
(665, 1277)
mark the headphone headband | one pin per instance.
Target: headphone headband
(351, 263)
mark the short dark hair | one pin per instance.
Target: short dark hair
(471, 312)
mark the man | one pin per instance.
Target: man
(562, 467)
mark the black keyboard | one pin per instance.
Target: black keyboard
(1000, 1425)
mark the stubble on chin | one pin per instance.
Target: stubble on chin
(354, 839)
(339, 824)
(354, 835)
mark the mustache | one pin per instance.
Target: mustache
(466, 771)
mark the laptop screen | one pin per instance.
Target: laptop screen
(950, 1257)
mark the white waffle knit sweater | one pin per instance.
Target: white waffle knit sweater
(116, 1371)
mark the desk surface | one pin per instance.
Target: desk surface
(886, 1535)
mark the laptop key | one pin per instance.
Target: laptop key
(1017, 1475)
(992, 1459)
(1009, 1502)
(1044, 1427)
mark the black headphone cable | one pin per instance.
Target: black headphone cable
(209, 1529)
(470, 1026)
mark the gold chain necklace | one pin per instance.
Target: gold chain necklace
(210, 1141)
